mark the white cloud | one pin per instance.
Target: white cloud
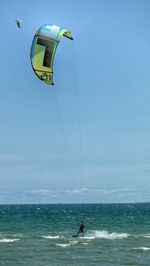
(41, 190)
(75, 195)
(82, 191)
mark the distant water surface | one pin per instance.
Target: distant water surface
(41, 235)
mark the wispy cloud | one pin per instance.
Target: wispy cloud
(75, 195)
(82, 191)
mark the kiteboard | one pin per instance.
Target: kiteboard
(75, 235)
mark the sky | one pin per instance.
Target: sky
(87, 138)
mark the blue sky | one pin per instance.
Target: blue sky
(87, 139)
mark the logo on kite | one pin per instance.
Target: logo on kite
(43, 50)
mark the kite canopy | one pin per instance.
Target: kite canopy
(43, 50)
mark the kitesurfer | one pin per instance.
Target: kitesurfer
(81, 228)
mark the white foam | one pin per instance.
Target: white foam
(63, 245)
(51, 237)
(6, 240)
(104, 234)
(148, 235)
(87, 237)
(68, 244)
(142, 248)
(73, 242)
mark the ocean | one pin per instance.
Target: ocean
(41, 235)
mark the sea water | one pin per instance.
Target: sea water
(41, 235)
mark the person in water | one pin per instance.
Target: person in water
(81, 228)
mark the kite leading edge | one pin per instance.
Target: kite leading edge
(43, 49)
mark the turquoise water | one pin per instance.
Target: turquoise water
(41, 235)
